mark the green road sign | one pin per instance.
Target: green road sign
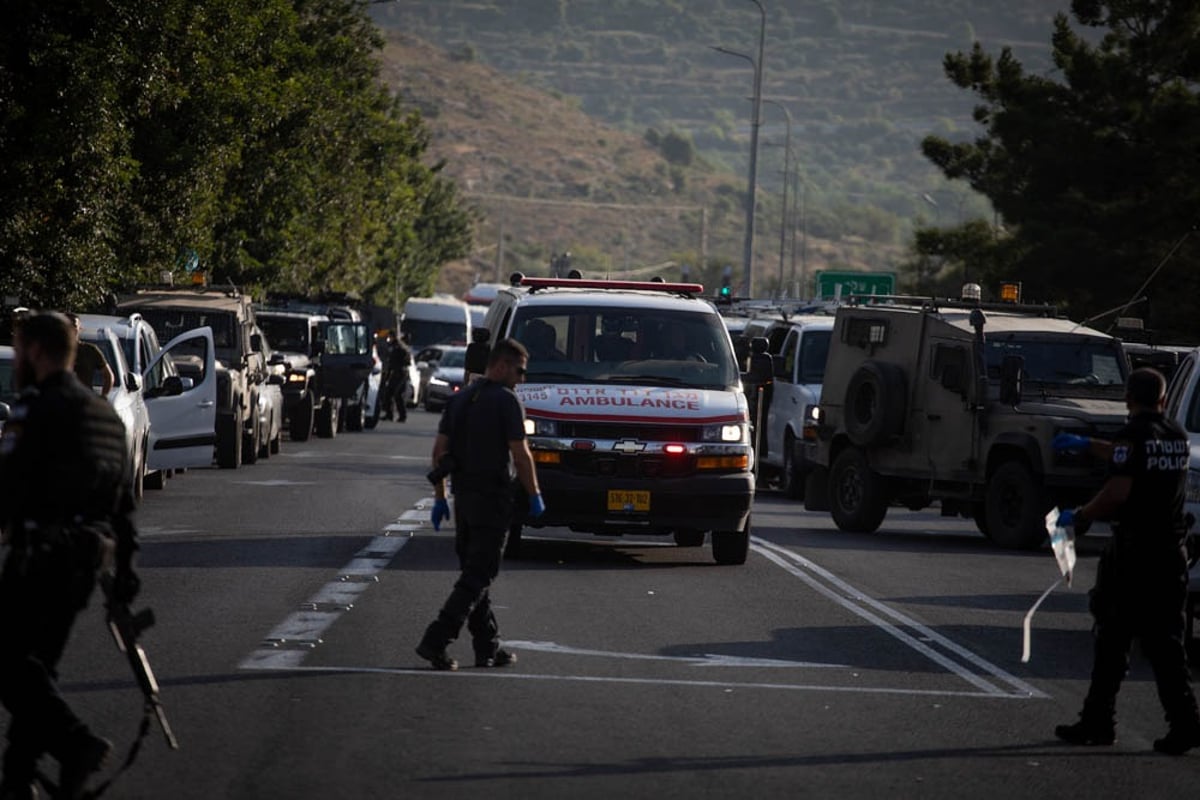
(828, 283)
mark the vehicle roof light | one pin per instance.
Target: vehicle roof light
(972, 292)
(1010, 292)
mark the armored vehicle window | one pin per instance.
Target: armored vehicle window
(865, 332)
(170, 322)
(948, 356)
(286, 333)
(1062, 360)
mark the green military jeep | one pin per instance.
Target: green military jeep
(957, 402)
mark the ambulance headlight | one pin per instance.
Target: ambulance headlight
(540, 427)
(729, 432)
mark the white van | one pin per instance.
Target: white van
(440, 319)
(635, 410)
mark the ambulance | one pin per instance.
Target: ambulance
(636, 415)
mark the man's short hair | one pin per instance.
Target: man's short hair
(1145, 387)
(507, 350)
(52, 332)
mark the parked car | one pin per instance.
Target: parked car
(173, 426)
(8, 383)
(270, 398)
(229, 315)
(446, 378)
(127, 400)
(790, 430)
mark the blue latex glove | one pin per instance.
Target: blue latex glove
(1066, 519)
(1070, 442)
(537, 506)
(1071, 518)
(441, 513)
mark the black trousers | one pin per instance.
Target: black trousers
(1148, 605)
(40, 597)
(481, 521)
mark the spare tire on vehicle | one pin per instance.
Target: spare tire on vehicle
(875, 403)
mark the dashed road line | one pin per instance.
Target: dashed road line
(290, 642)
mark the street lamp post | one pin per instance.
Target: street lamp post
(755, 121)
(787, 160)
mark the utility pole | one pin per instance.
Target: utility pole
(787, 160)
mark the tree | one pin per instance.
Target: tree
(1093, 173)
(255, 134)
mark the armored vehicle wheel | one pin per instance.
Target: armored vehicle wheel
(731, 547)
(229, 442)
(1015, 507)
(301, 419)
(874, 404)
(858, 497)
(327, 420)
(686, 537)
(793, 479)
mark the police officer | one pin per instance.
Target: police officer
(65, 511)
(482, 431)
(1141, 584)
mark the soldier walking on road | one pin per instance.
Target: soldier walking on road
(480, 439)
(1141, 583)
(65, 514)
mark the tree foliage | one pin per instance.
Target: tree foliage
(1092, 170)
(254, 134)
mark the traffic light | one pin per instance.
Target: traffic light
(726, 290)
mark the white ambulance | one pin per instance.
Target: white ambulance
(635, 411)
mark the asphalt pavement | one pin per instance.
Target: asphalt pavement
(290, 595)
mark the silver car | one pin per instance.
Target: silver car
(446, 378)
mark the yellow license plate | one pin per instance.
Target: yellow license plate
(621, 500)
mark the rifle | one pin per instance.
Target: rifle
(126, 627)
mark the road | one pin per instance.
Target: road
(290, 596)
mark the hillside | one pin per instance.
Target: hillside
(545, 178)
(862, 81)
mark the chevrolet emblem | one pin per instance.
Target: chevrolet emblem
(629, 446)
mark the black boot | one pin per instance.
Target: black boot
(1087, 732)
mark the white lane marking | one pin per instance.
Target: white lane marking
(705, 660)
(289, 642)
(847, 599)
(276, 482)
(495, 674)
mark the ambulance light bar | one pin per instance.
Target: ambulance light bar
(577, 283)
